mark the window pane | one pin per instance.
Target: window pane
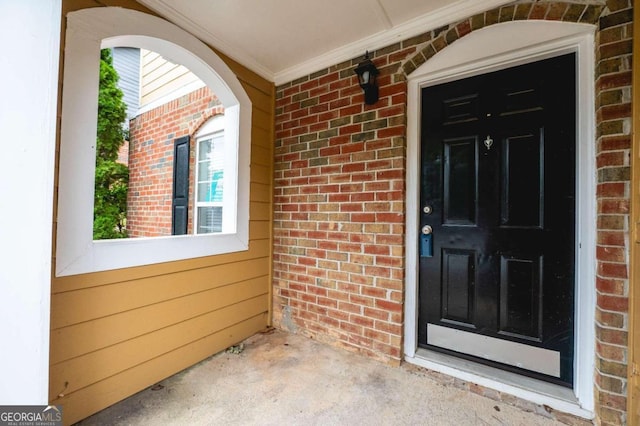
(204, 192)
(205, 149)
(217, 185)
(203, 172)
(209, 220)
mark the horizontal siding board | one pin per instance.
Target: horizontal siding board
(151, 61)
(259, 99)
(250, 79)
(260, 230)
(262, 138)
(264, 196)
(99, 395)
(260, 174)
(84, 370)
(171, 80)
(89, 336)
(262, 120)
(257, 249)
(164, 70)
(260, 211)
(261, 156)
(96, 302)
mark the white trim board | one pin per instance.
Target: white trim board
(497, 47)
(30, 38)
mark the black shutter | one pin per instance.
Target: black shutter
(180, 203)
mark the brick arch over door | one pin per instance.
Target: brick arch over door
(440, 38)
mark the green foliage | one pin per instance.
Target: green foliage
(112, 178)
(110, 204)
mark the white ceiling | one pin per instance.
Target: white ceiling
(286, 39)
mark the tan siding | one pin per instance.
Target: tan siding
(85, 337)
(101, 394)
(98, 365)
(261, 156)
(257, 248)
(263, 190)
(87, 304)
(261, 229)
(114, 333)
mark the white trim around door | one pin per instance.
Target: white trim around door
(489, 49)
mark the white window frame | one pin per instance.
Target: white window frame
(88, 31)
(213, 127)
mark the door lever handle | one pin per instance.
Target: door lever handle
(427, 230)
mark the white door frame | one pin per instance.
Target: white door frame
(492, 48)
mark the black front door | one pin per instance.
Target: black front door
(497, 245)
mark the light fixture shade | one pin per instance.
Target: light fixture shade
(367, 73)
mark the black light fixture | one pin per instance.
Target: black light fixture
(367, 73)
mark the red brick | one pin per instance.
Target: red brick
(615, 158)
(611, 336)
(613, 303)
(376, 249)
(613, 206)
(611, 189)
(388, 306)
(611, 254)
(611, 81)
(464, 28)
(615, 142)
(376, 335)
(360, 320)
(612, 270)
(392, 262)
(614, 353)
(613, 112)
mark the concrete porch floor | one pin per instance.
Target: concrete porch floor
(286, 379)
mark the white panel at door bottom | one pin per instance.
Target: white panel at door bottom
(541, 360)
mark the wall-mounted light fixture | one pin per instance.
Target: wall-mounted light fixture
(367, 73)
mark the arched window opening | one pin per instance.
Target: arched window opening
(171, 176)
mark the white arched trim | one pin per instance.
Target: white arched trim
(88, 31)
(492, 48)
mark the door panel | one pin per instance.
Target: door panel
(460, 181)
(522, 181)
(498, 176)
(521, 295)
(458, 282)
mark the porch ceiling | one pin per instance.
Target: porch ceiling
(286, 39)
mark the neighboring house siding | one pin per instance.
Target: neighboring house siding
(118, 332)
(152, 136)
(126, 61)
(160, 78)
(340, 191)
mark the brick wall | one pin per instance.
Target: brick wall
(339, 191)
(152, 136)
(613, 112)
(339, 209)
